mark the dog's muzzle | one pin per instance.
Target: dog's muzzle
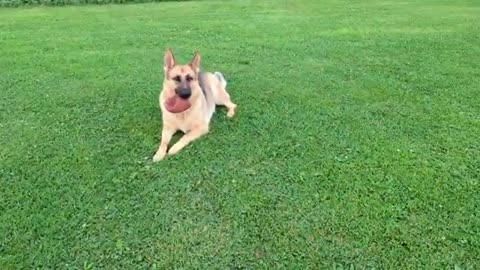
(184, 93)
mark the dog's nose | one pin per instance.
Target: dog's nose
(184, 93)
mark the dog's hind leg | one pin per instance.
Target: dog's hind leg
(222, 97)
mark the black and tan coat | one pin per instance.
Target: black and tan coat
(204, 90)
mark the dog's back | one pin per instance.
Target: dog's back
(213, 88)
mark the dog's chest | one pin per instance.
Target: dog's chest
(198, 115)
(185, 126)
(184, 122)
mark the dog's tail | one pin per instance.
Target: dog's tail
(220, 77)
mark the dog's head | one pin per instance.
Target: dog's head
(181, 80)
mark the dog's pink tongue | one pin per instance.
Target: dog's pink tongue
(176, 104)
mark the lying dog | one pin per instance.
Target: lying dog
(188, 101)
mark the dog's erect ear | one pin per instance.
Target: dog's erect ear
(168, 60)
(195, 62)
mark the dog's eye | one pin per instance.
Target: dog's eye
(177, 78)
(189, 78)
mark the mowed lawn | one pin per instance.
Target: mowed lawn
(356, 143)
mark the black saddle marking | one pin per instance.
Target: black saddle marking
(202, 82)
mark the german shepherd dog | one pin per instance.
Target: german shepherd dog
(199, 92)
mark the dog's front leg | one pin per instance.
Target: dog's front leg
(167, 134)
(187, 138)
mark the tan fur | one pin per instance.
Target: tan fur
(195, 121)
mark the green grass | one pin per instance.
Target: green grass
(24, 3)
(356, 142)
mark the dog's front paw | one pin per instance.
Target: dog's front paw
(231, 111)
(159, 156)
